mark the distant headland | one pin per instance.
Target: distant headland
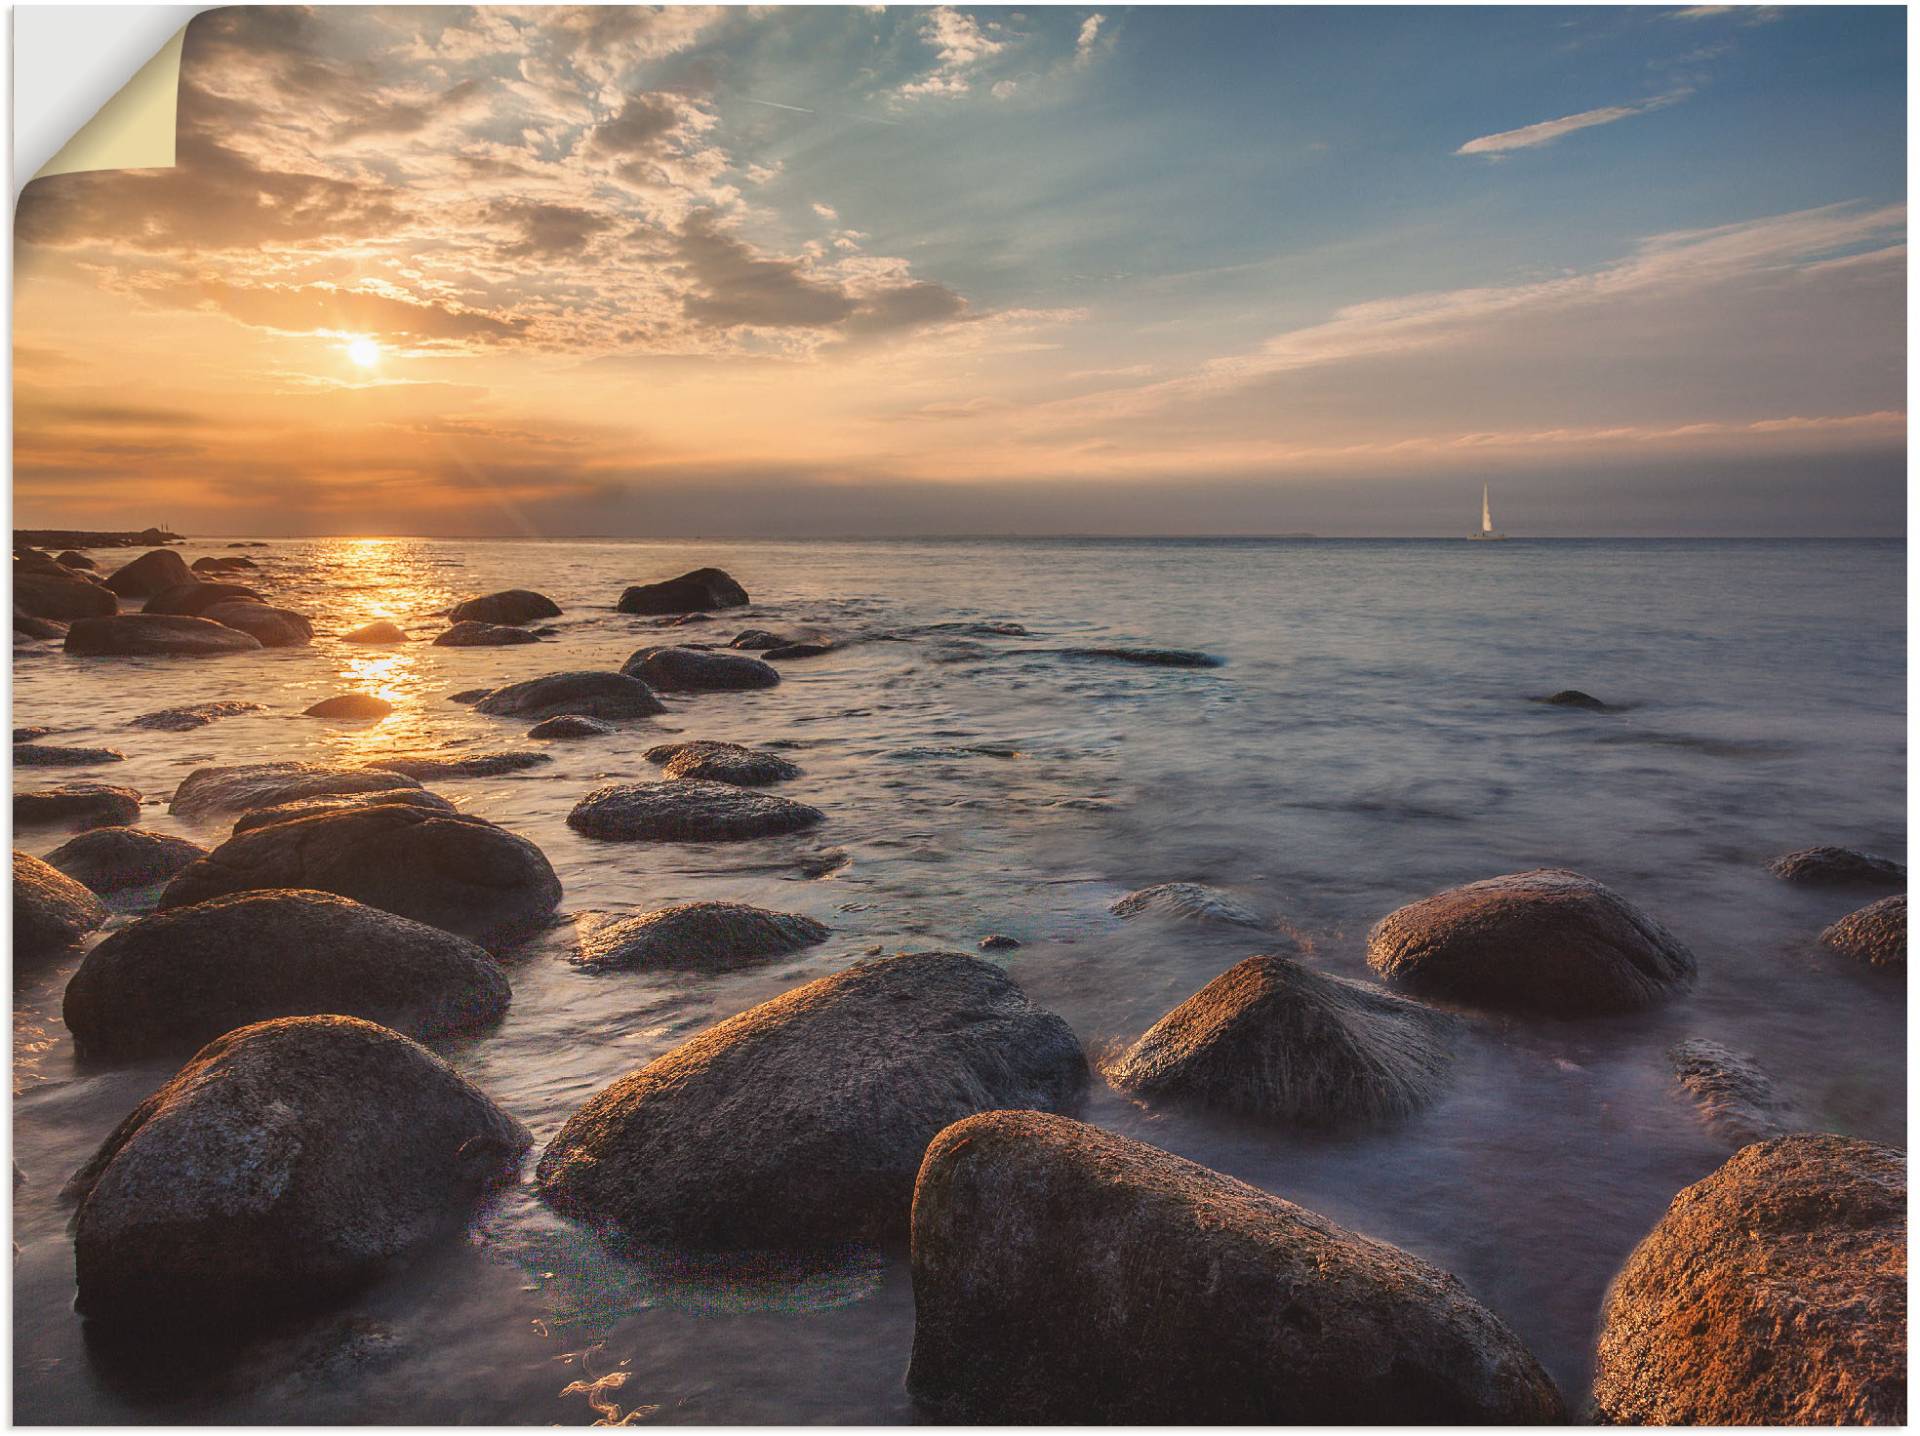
(94, 538)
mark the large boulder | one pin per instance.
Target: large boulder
(51, 912)
(722, 763)
(1547, 941)
(1828, 866)
(110, 859)
(698, 670)
(1773, 1292)
(801, 1122)
(176, 980)
(194, 598)
(286, 1164)
(702, 589)
(379, 631)
(687, 811)
(274, 627)
(339, 802)
(589, 693)
(75, 805)
(160, 635)
(452, 870)
(513, 605)
(193, 715)
(1187, 902)
(206, 791)
(70, 559)
(1875, 935)
(1063, 1275)
(702, 936)
(1273, 1039)
(25, 625)
(52, 755)
(64, 596)
(149, 574)
(483, 635)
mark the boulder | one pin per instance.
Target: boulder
(350, 706)
(70, 559)
(452, 870)
(571, 725)
(176, 980)
(1063, 1275)
(221, 564)
(29, 735)
(587, 692)
(482, 635)
(1737, 1099)
(339, 802)
(379, 631)
(194, 598)
(193, 715)
(150, 573)
(513, 605)
(1773, 1292)
(687, 811)
(51, 912)
(998, 942)
(1547, 941)
(428, 766)
(25, 625)
(75, 805)
(205, 791)
(787, 651)
(286, 1164)
(1148, 657)
(756, 638)
(697, 670)
(703, 936)
(1574, 698)
(801, 1122)
(722, 763)
(1187, 902)
(48, 755)
(468, 695)
(274, 627)
(170, 635)
(1875, 935)
(110, 859)
(63, 596)
(1838, 867)
(695, 592)
(1273, 1039)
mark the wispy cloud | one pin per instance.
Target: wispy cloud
(960, 42)
(1529, 137)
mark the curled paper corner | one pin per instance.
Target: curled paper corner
(133, 130)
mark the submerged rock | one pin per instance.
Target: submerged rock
(63, 595)
(1574, 698)
(193, 598)
(483, 635)
(708, 936)
(571, 725)
(179, 979)
(1875, 935)
(587, 692)
(1547, 940)
(47, 755)
(1773, 1292)
(29, 735)
(379, 631)
(702, 589)
(697, 670)
(1273, 1039)
(350, 706)
(722, 763)
(274, 627)
(1149, 657)
(149, 574)
(216, 564)
(128, 635)
(288, 1163)
(1063, 1275)
(789, 651)
(206, 791)
(998, 942)
(1838, 867)
(77, 805)
(51, 912)
(110, 859)
(1192, 902)
(468, 695)
(339, 802)
(756, 638)
(687, 810)
(452, 870)
(429, 766)
(193, 715)
(513, 605)
(801, 1121)
(1737, 1099)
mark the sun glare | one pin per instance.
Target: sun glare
(364, 352)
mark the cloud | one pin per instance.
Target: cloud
(1089, 32)
(322, 309)
(1547, 131)
(960, 43)
(548, 231)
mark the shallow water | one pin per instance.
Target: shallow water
(1367, 741)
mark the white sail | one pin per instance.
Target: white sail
(1486, 512)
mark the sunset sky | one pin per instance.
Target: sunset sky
(871, 271)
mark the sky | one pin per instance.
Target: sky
(897, 271)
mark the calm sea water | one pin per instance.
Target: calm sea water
(1368, 741)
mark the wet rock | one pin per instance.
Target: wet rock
(176, 980)
(452, 870)
(704, 936)
(998, 942)
(379, 631)
(286, 1164)
(351, 706)
(468, 695)
(221, 564)
(513, 605)
(111, 859)
(149, 574)
(428, 766)
(51, 912)
(1875, 935)
(1189, 902)
(1737, 1099)
(1548, 941)
(688, 810)
(801, 1121)
(1063, 1275)
(482, 635)
(1773, 1292)
(1574, 698)
(29, 735)
(266, 785)
(788, 651)
(696, 670)
(686, 618)
(1838, 867)
(1273, 1039)
(722, 763)
(75, 805)
(142, 634)
(47, 755)
(70, 559)
(25, 625)
(193, 715)
(589, 693)
(702, 589)
(64, 596)
(195, 597)
(571, 725)
(755, 638)
(274, 627)
(1148, 657)
(339, 802)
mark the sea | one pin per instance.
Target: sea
(1370, 736)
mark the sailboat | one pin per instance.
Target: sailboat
(1486, 519)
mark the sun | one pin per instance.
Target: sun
(364, 352)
